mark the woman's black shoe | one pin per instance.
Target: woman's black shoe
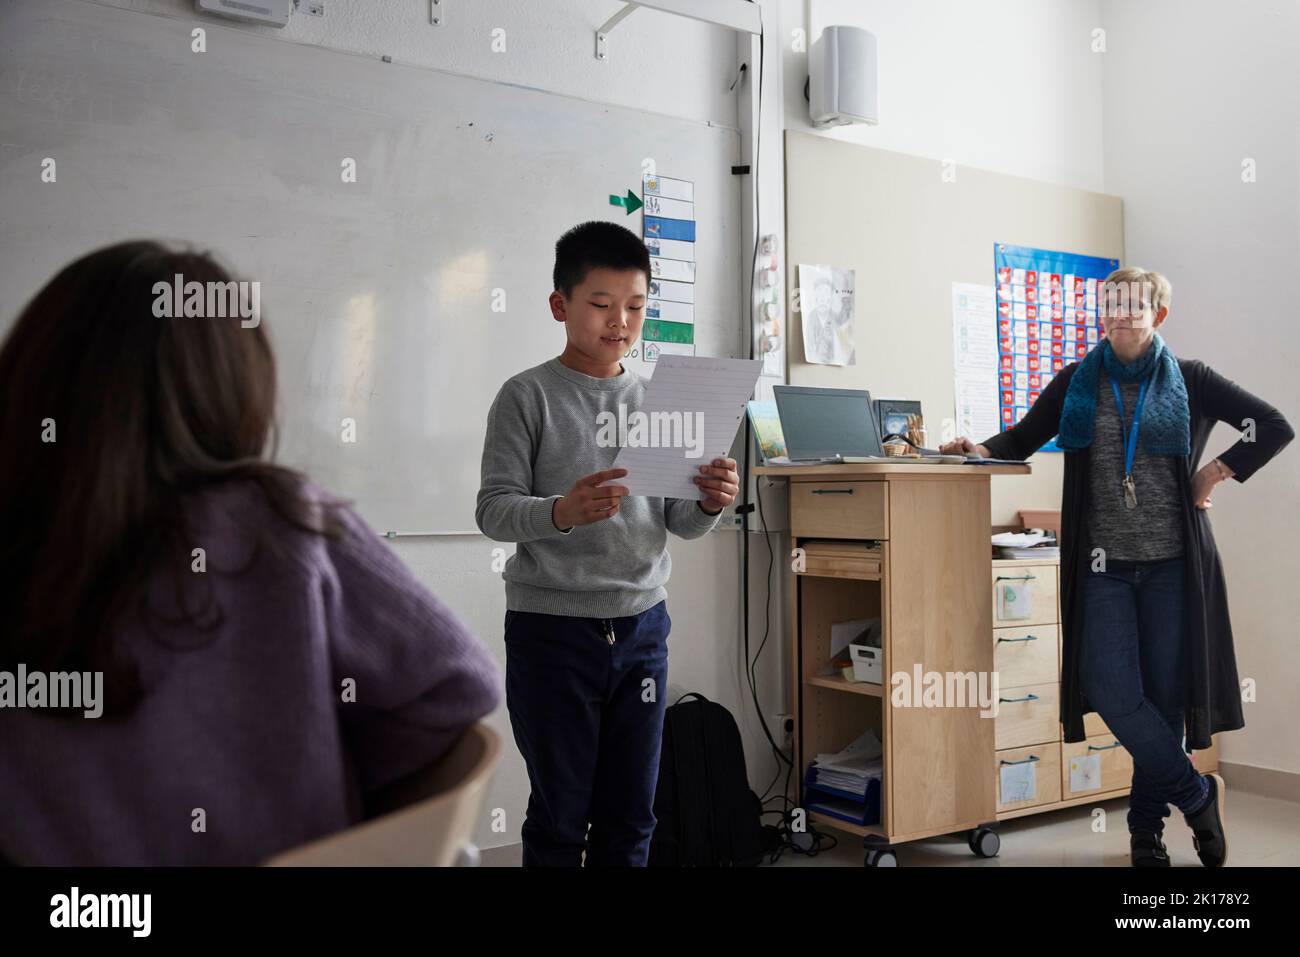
(1207, 825)
(1146, 850)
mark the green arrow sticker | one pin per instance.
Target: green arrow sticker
(628, 202)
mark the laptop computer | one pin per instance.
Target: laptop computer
(828, 425)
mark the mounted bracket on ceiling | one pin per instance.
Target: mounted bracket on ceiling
(739, 15)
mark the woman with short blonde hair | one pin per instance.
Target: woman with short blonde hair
(1146, 637)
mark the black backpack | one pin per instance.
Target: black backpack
(707, 814)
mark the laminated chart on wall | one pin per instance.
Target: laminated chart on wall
(668, 224)
(975, 360)
(1046, 318)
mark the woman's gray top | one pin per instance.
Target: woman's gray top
(1154, 529)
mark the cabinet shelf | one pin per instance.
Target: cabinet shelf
(838, 683)
(862, 830)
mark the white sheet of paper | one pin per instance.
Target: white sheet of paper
(975, 360)
(843, 632)
(714, 392)
(826, 304)
(1019, 782)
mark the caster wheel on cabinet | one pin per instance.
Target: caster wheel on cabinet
(880, 858)
(984, 842)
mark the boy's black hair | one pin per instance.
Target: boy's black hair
(597, 245)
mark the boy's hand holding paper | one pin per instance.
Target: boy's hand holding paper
(719, 483)
(589, 501)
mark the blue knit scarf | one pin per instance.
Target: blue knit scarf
(1166, 421)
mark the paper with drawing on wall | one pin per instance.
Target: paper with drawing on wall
(826, 302)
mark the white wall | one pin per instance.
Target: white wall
(655, 61)
(1191, 89)
(1005, 85)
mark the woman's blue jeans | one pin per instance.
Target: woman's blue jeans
(1131, 666)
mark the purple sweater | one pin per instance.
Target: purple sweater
(248, 722)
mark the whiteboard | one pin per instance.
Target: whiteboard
(378, 295)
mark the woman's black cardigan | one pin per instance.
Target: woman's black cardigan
(1213, 697)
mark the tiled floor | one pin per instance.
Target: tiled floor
(1261, 831)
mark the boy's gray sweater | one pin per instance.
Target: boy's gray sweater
(541, 438)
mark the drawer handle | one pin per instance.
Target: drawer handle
(1102, 747)
(1016, 578)
(1026, 638)
(1028, 697)
(1032, 757)
(832, 491)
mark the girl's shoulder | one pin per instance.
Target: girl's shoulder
(298, 523)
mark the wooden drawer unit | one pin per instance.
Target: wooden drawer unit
(1027, 715)
(1042, 594)
(1207, 760)
(841, 560)
(1092, 724)
(857, 510)
(1047, 774)
(1116, 764)
(1025, 656)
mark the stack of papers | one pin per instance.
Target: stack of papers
(1026, 545)
(851, 769)
(1020, 539)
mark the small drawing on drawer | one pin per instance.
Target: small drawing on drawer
(1013, 599)
(1019, 782)
(1085, 773)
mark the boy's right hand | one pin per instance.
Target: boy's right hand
(589, 501)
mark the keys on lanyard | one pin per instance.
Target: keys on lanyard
(1130, 438)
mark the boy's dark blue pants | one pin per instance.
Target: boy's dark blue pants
(588, 716)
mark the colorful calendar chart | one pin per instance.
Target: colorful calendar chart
(1046, 318)
(668, 224)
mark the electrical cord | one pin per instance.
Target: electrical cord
(752, 661)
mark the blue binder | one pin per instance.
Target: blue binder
(845, 805)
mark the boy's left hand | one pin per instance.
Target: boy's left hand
(720, 483)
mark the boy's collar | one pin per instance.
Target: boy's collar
(612, 384)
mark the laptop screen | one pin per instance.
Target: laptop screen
(819, 423)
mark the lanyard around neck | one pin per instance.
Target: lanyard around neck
(1130, 437)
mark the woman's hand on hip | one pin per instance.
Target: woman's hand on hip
(1207, 476)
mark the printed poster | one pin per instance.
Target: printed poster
(1047, 317)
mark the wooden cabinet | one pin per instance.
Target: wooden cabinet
(1023, 652)
(909, 544)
